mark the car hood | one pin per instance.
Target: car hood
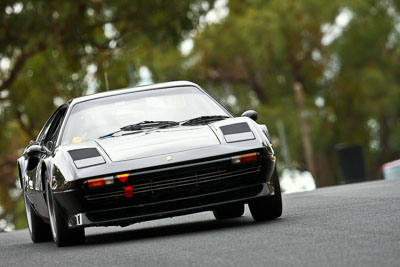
(158, 142)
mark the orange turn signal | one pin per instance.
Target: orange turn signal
(96, 182)
(245, 158)
(100, 181)
(248, 157)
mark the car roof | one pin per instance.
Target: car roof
(131, 90)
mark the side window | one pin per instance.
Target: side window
(54, 128)
(45, 128)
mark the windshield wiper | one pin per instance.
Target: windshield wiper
(149, 124)
(141, 126)
(163, 124)
(204, 119)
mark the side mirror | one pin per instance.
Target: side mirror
(36, 151)
(252, 114)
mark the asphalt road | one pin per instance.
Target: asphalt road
(348, 225)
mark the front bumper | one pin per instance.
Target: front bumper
(167, 192)
(128, 215)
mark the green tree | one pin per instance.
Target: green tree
(344, 54)
(364, 93)
(259, 52)
(51, 51)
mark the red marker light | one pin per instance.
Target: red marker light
(128, 191)
(123, 177)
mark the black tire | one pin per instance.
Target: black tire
(270, 207)
(62, 235)
(228, 212)
(38, 229)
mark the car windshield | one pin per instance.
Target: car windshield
(95, 118)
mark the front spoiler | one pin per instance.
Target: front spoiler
(176, 207)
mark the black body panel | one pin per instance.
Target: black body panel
(235, 128)
(174, 207)
(84, 153)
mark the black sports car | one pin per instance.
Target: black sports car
(131, 155)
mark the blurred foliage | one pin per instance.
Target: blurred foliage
(51, 51)
(344, 53)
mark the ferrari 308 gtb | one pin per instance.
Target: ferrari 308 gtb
(132, 155)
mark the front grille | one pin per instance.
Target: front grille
(198, 179)
(180, 181)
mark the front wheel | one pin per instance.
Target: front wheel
(62, 235)
(269, 207)
(38, 229)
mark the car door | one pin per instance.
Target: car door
(47, 138)
(30, 165)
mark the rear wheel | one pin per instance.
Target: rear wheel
(227, 212)
(269, 207)
(38, 229)
(62, 235)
